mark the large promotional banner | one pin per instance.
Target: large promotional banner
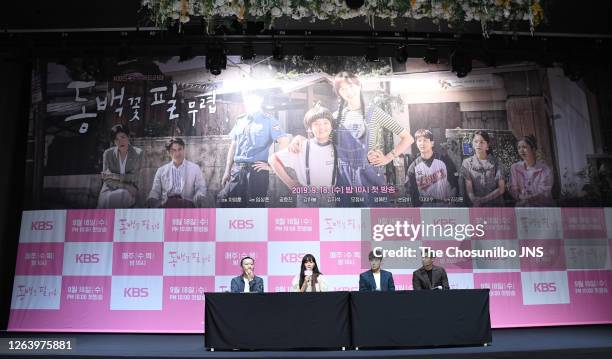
(147, 270)
(150, 179)
(332, 132)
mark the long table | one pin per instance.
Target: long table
(277, 320)
(420, 318)
(347, 319)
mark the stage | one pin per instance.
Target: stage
(550, 342)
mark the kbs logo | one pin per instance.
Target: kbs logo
(241, 224)
(291, 257)
(87, 258)
(42, 226)
(135, 292)
(545, 287)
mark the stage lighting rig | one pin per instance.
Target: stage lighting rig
(278, 52)
(248, 52)
(216, 61)
(431, 55)
(461, 63)
(401, 53)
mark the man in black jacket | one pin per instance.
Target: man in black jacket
(429, 276)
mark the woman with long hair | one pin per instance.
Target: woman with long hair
(310, 279)
(484, 178)
(359, 143)
(358, 138)
(531, 181)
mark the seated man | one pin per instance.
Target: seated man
(376, 279)
(179, 183)
(429, 276)
(248, 282)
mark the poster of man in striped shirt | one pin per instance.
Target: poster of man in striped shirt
(431, 179)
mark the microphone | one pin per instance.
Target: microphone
(308, 272)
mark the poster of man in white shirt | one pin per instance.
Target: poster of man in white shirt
(179, 183)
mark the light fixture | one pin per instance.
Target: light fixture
(401, 54)
(461, 63)
(371, 54)
(573, 70)
(186, 53)
(216, 61)
(431, 55)
(123, 51)
(278, 53)
(308, 52)
(64, 54)
(248, 52)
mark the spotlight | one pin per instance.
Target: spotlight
(278, 53)
(216, 61)
(545, 59)
(461, 63)
(186, 53)
(64, 54)
(489, 58)
(248, 52)
(308, 53)
(372, 54)
(123, 52)
(573, 70)
(354, 4)
(431, 55)
(401, 54)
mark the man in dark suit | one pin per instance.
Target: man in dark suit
(429, 276)
(376, 279)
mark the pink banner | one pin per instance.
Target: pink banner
(583, 222)
(295, 225)
(90, 225)
(505, 297)
(40, 259)
(228, 256)
(182, 225)
(183, 302)
(138, 259)
(552, 256)
(500, 222)
(147, 270)
(341, 257)
(86, 295)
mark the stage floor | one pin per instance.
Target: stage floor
(550, 342)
